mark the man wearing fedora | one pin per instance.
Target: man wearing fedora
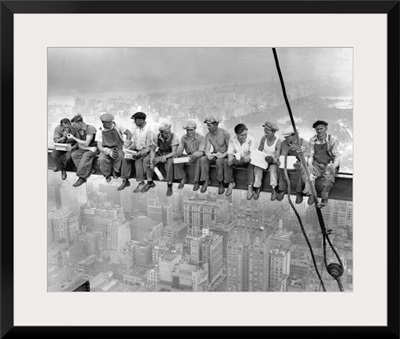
(193, 144)
(142, 139)
(218, 139)
(290, 147)
(110, 141)
(161, 155)
(324, 159)
(271, 146)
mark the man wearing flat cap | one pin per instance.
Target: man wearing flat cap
(324, 160)
(110, 141)
(239, 155)
(290, 147)
(142, 138)
(271, 146)
(161, 155)
(85, 137)
(218, 138)
(193, 143)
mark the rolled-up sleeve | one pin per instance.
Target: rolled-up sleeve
(175, 140)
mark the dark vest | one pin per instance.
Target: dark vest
(164, 147)
(82, 136)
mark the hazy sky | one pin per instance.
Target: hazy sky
(156, 69)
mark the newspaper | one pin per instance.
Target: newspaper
(257, 158)
(129, 153)
(291, 160)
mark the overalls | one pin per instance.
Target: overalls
(111, 139)
(321, 159)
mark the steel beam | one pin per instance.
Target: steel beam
(342, 189)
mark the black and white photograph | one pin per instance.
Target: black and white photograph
(200, 169)
(241, 152)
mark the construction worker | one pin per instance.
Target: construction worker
(87, 149)
(290, 147)
(193, 144)
(271, 146)
(142, 138)
(218, 138)
(324, 159)
(110, 141)
(161, 156)
(61, 158)
(240, 147)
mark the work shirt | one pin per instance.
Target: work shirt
(244, 149)
(59, 135)
(332, 147)
(141, 137)
(87, 130)
(191, 145)
(165, 145)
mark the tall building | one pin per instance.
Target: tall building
(237, 253)
(97, 216)
(279, 267)
(159, 212)
(62, 225)
(199, 212)
(118, 234)
(258, 265)
(212, 253)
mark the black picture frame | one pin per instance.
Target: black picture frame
(9, 8)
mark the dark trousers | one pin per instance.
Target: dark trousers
(179, 172)
(205, 168)
(228, 172)
(61, 158)
(83, 161)
(300, 174)
(139, 168)
(328, 178)
(108, 164)
(166, 168)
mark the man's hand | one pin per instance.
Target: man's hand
(219, 155)
(70, 136)
(247, 158)
(192, 159)
(210, 156)
(297, 165)
(269, 159)
(114, 153)
(93, 149)
(277, 162)
(301, 149)
(330, 168)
